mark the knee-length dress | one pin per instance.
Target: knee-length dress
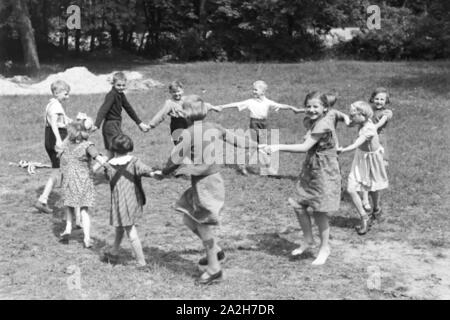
(368, 172)
(319, 184)
(127, 194)
(78, 181)
(204, 200)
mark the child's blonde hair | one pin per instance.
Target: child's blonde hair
(59, 86)
(261, 84)
(363, 108)
(119, 76)
(175, 85)
(194, 108)
(380, 90)
(79, 130)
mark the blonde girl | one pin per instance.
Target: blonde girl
(368, 172)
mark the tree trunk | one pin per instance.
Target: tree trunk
(26, 35)
(77, 41)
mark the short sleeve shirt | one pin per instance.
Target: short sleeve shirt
(259, 108)
(54, 107)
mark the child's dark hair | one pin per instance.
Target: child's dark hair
(321, 96)
(332, 97)
(380, 90)
(122, 144)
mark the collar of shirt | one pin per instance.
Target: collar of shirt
(121, 160)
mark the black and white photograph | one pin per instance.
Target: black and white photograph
(224, 150)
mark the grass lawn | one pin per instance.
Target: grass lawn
(409, 252)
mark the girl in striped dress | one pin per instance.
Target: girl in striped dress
(124, 172)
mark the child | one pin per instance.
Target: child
(124, 172)
(259, 107)
(381, 116)
(111, 112)
(56, 122)
(319, 184)
(368, 172)
(202, 203)
(173, 108)
(78, 186)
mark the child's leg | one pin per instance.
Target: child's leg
(117, 240)
(207, 236)
(375, 195)
(86, 224)
(363, 228)
(109, 154)
(321, 219)
(69, 215)
(365, 200)
(191, 224)
(55, 175)
(305, 223)
(78, 221)
(136, 244)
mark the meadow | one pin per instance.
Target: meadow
(405, 257)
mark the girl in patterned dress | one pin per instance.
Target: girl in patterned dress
(368, 172)
(319, 184)
(124, 172)
(202, 203)
(78, 184)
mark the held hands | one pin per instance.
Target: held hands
(340, 150)
(144, 127)
(157, 174)
(347, 121)
(266, 148)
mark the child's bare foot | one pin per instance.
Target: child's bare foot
(87, 243)
(304, 247)
(322, 256)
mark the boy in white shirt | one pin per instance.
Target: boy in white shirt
(56, 122)
(259, 107)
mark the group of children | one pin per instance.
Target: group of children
(318, 188)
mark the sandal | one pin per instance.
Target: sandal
(364, 227)
(204, 261)
(216, 277)
(377, 214)
(64, 238)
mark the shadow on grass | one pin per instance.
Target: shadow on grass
(344, 222)
(170, 260)
(273, 244)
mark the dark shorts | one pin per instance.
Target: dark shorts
(110, 130)
(50, 143)
(257, 125)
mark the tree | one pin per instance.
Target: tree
(20, 11)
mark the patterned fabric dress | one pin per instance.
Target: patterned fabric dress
(127, 195)
(78, 181)
(319, 185)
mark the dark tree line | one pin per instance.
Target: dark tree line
(220, 29)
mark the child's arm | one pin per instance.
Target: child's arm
(243, 142)
(358, 142)
(277, 106)
(241, 105)
(94, 154)
(178, 154)
(381, 122)
(160, 116)
(340, 116)
(55, 129)
(303, 147)
(104, 109)
(129, 109)
(143, 170)
(209, 107)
